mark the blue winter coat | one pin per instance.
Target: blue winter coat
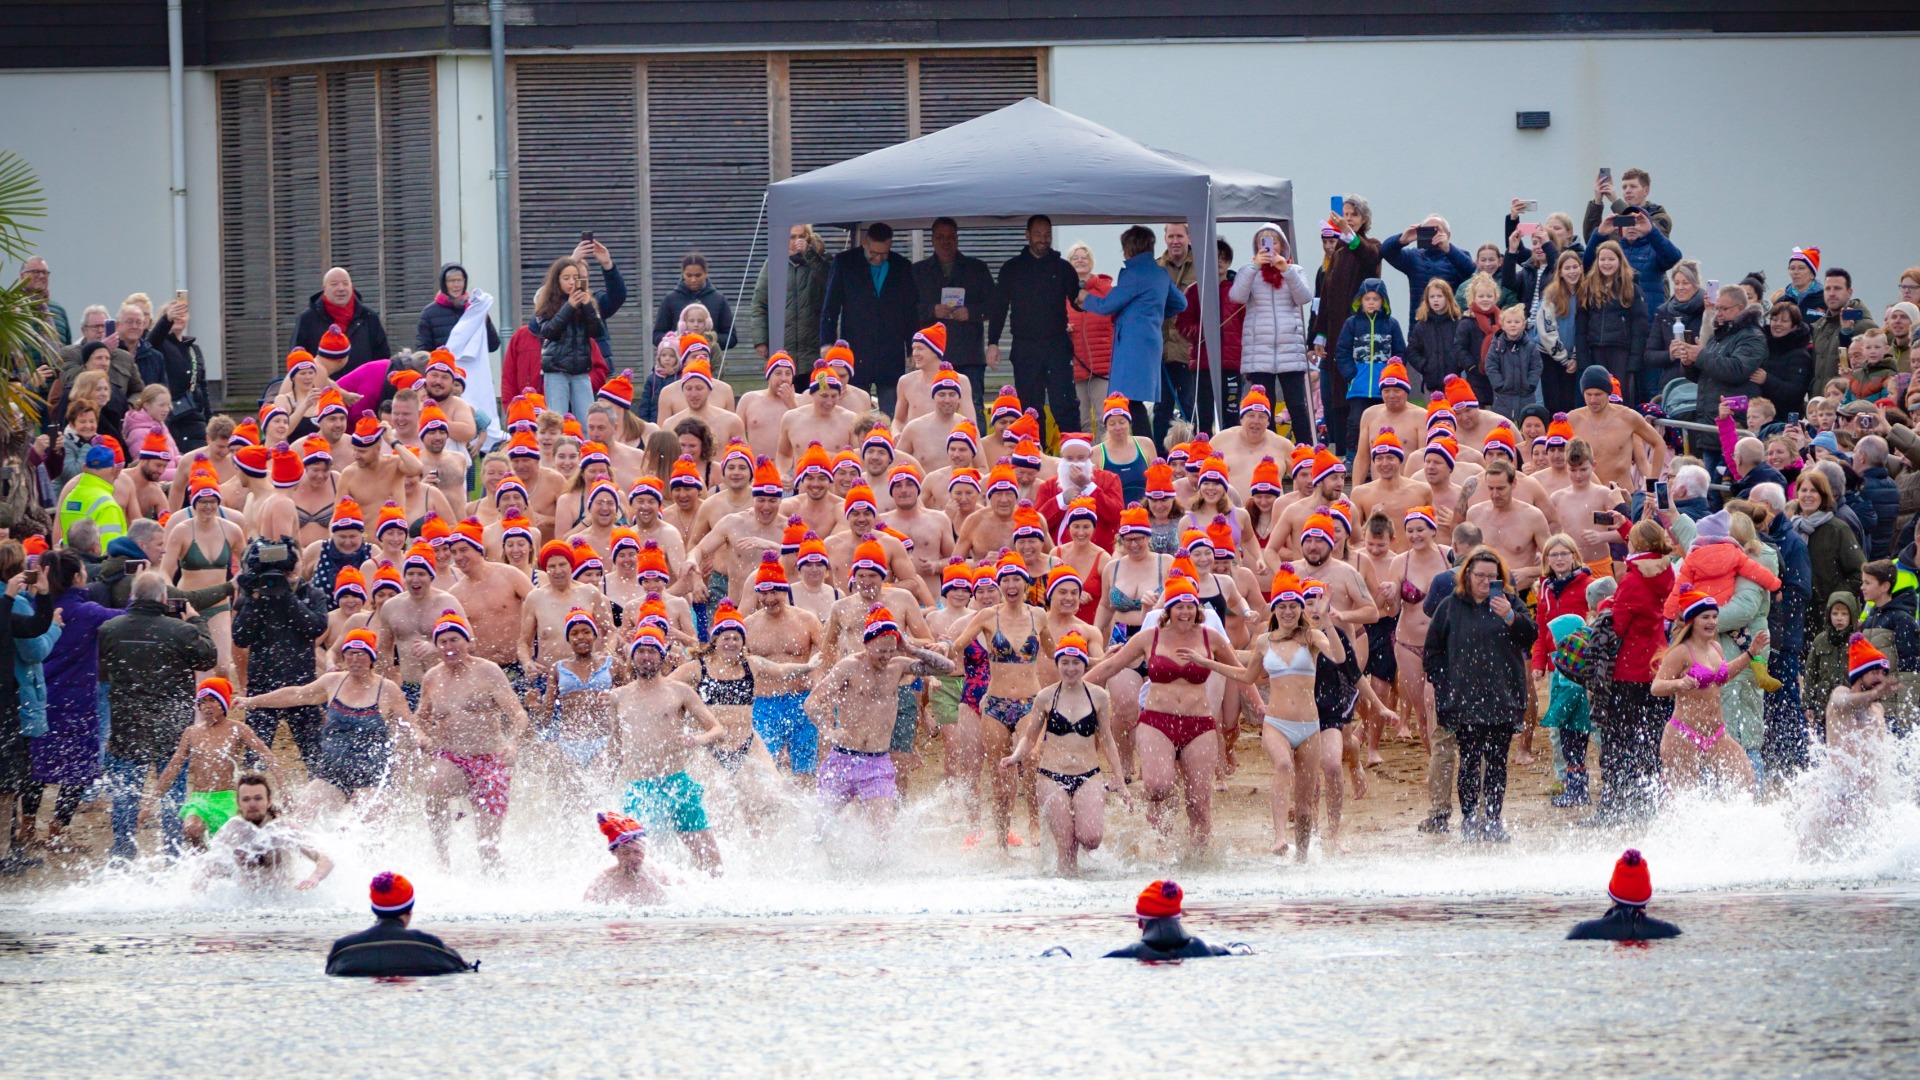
(28, 656)
(1452, 266)
(1367, 343)
(1878, 489)
(1142, 298)
(1651, 257)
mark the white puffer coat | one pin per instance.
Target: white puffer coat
(1273, 335)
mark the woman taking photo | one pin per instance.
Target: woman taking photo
(1697, 748)
(1014, 634)
(567, 321)
(1274, 331)
(1073, 715)
(1177, 735)
(1613, 321)
(1476, 658)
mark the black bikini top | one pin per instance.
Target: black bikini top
(1085, 727)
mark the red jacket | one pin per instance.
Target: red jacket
(1638, 621)
(1187, 325)
(520, 369)
(1570, 600)
(1092, 334)
(1107, 504)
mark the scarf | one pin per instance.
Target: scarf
(1559, 585)
(439, 298)
(1274, 276)
(339, 314)
(1489, 327)
(1805, 524)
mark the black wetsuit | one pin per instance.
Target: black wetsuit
(389, 948)
(1624, 922)
(1166, 939)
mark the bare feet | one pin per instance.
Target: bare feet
(1359, 777)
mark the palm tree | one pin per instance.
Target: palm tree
(26, 331)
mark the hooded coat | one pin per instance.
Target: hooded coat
(667, 317)
(437, 319)
(1827, 651)
(1728, 360)
(1368, 343)
(1276, 326)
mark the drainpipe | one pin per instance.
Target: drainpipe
(177, 123)
(502, 190)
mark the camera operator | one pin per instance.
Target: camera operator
(111, 583)
(149, 658)
(276, 619)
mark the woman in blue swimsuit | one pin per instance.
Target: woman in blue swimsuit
(1013, 633)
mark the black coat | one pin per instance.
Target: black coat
(279, 633)
(667, 318)
(1878, 490)
(1614, 335)
(185, 371)
(1033, 295)
(876, 325)
(1789, 368)
(389, 948)
(567, 337)
(365, 332)
(1166, 939)
(1659, 359)
(148, 659)
(1728, 360)
(1430, 350)
(1624, 922)
(438, 318)
(966, 341)
(1477, 663)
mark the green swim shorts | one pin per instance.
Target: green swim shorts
(667, 802)
(214, 808)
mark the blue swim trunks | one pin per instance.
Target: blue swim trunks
(667, 802)
(781, 721)
(906, 717)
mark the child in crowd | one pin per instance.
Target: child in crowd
(212, 750)
(1370, 339)
(1870, 371)
(1827, 656)
(1570, 719)
(666, 370)
(1513, 364)
(1822, 412)
(1721, 555)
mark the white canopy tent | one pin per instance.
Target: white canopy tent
(1031, 158)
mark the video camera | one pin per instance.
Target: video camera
(267, 566)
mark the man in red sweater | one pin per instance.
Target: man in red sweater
(1078, 479)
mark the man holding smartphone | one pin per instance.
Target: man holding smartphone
(1635, 186)
(1846, 317)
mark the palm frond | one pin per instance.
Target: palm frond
(21, 198)
(26, 342)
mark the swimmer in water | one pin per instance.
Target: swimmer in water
(261, 845)
(628, 880)
(1627, 919)
(1161, 935)
(1858, 752)
(390, 946)
(211, 750)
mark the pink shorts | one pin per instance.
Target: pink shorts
(488, 779)
(847, 774)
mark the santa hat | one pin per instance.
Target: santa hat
(390, 893)
(1862, 657)
(771, 576)
(620, 829)
(1076, 438)
(933, 337)
(1632, 885)
(1808, 255)
(218, 689)
(1074, 644)
(1159, 900)
(1388, 443)
(334, 344)
(879, 623)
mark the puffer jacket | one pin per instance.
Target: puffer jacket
(1430, 351)
(1367, 343)
(1092, 334)
(1827, 652)
(1187, 325)
(1273, 337)
(1453, 266)
(567, 339)
(1879, 490)
(1789, 369)
(1513, 371)
(1614, 335)
(1728, 360)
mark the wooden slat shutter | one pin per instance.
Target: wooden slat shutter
(708, 162)
(353, 186)
(248, 309)
(298, 255)
(576, 163)
(954, 89)
(842, 108)
(408, 227)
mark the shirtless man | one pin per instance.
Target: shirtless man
(856, 704)
(1347, 598)
(1244, 446)
(1393, 414)
(1860, 751)
(1500, 447)
(927, 369)
(813, 502)
(735, 493)
(1577, 505)
(733, 547)
(764, 412)
(438, 383)
(1552, 473)
(603, 427)
(652, 746)
(813, 592)
(543, 612)
(260, 845)
(1472, 423)
(1436, 466)
(1390, 491)
(627, 881)
(784, 634)
(930, 530)
(146, 497)
(544, 486)
(858, 528)
(989, 530)
(1329, 480)
(602, 515)
(1517, 530)
(866, 588)
(1006, 411)
(643, 511)
(211, 749)
(838, 359)
(218, 452)
(331, 423)
(877, 459)
(492, 594)
(929, 435)
(404, 624)
(470, 724)
(963, 453)
(696, 382)
(374, 477)
(1623, 441)
(823, 420)
(673, 396)
(444, 464)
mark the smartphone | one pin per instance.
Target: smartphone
(1660, 498)
(1339, 205)
(1528, 228)
(587, 236)
(110, 325)
(1602, 517)
(1621, 221)
(1529, 206)
(178, 607)
(1713, 288)
(1495, 588)
(33, 564)
(1793, 418)
(1737, 402)
(135, 567)
(1849, 316)
(1690, 337)
(1649, 482)
(433, 476)
(1606, 174)
(1266, 244)
(1423, 236)
(179, 296)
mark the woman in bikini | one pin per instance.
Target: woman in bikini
(366, 716)
(390, 539)
(1163, 510)
(1088, 559)
(493, 469)
(1132, 588)
(201, 551)
(1060, 733)
(1030, 543)
(574, 710)
(1285, 658)
(1262, 514)
(1696, 746)
(1215, 499)
(1374, 559)
(418, 499)
(1177, 735)
(723, 673)
(1411, 573)
(959, 724)
(1014, 634)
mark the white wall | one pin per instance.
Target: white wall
(98, 142)
(1756, 144)
(468, 233)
